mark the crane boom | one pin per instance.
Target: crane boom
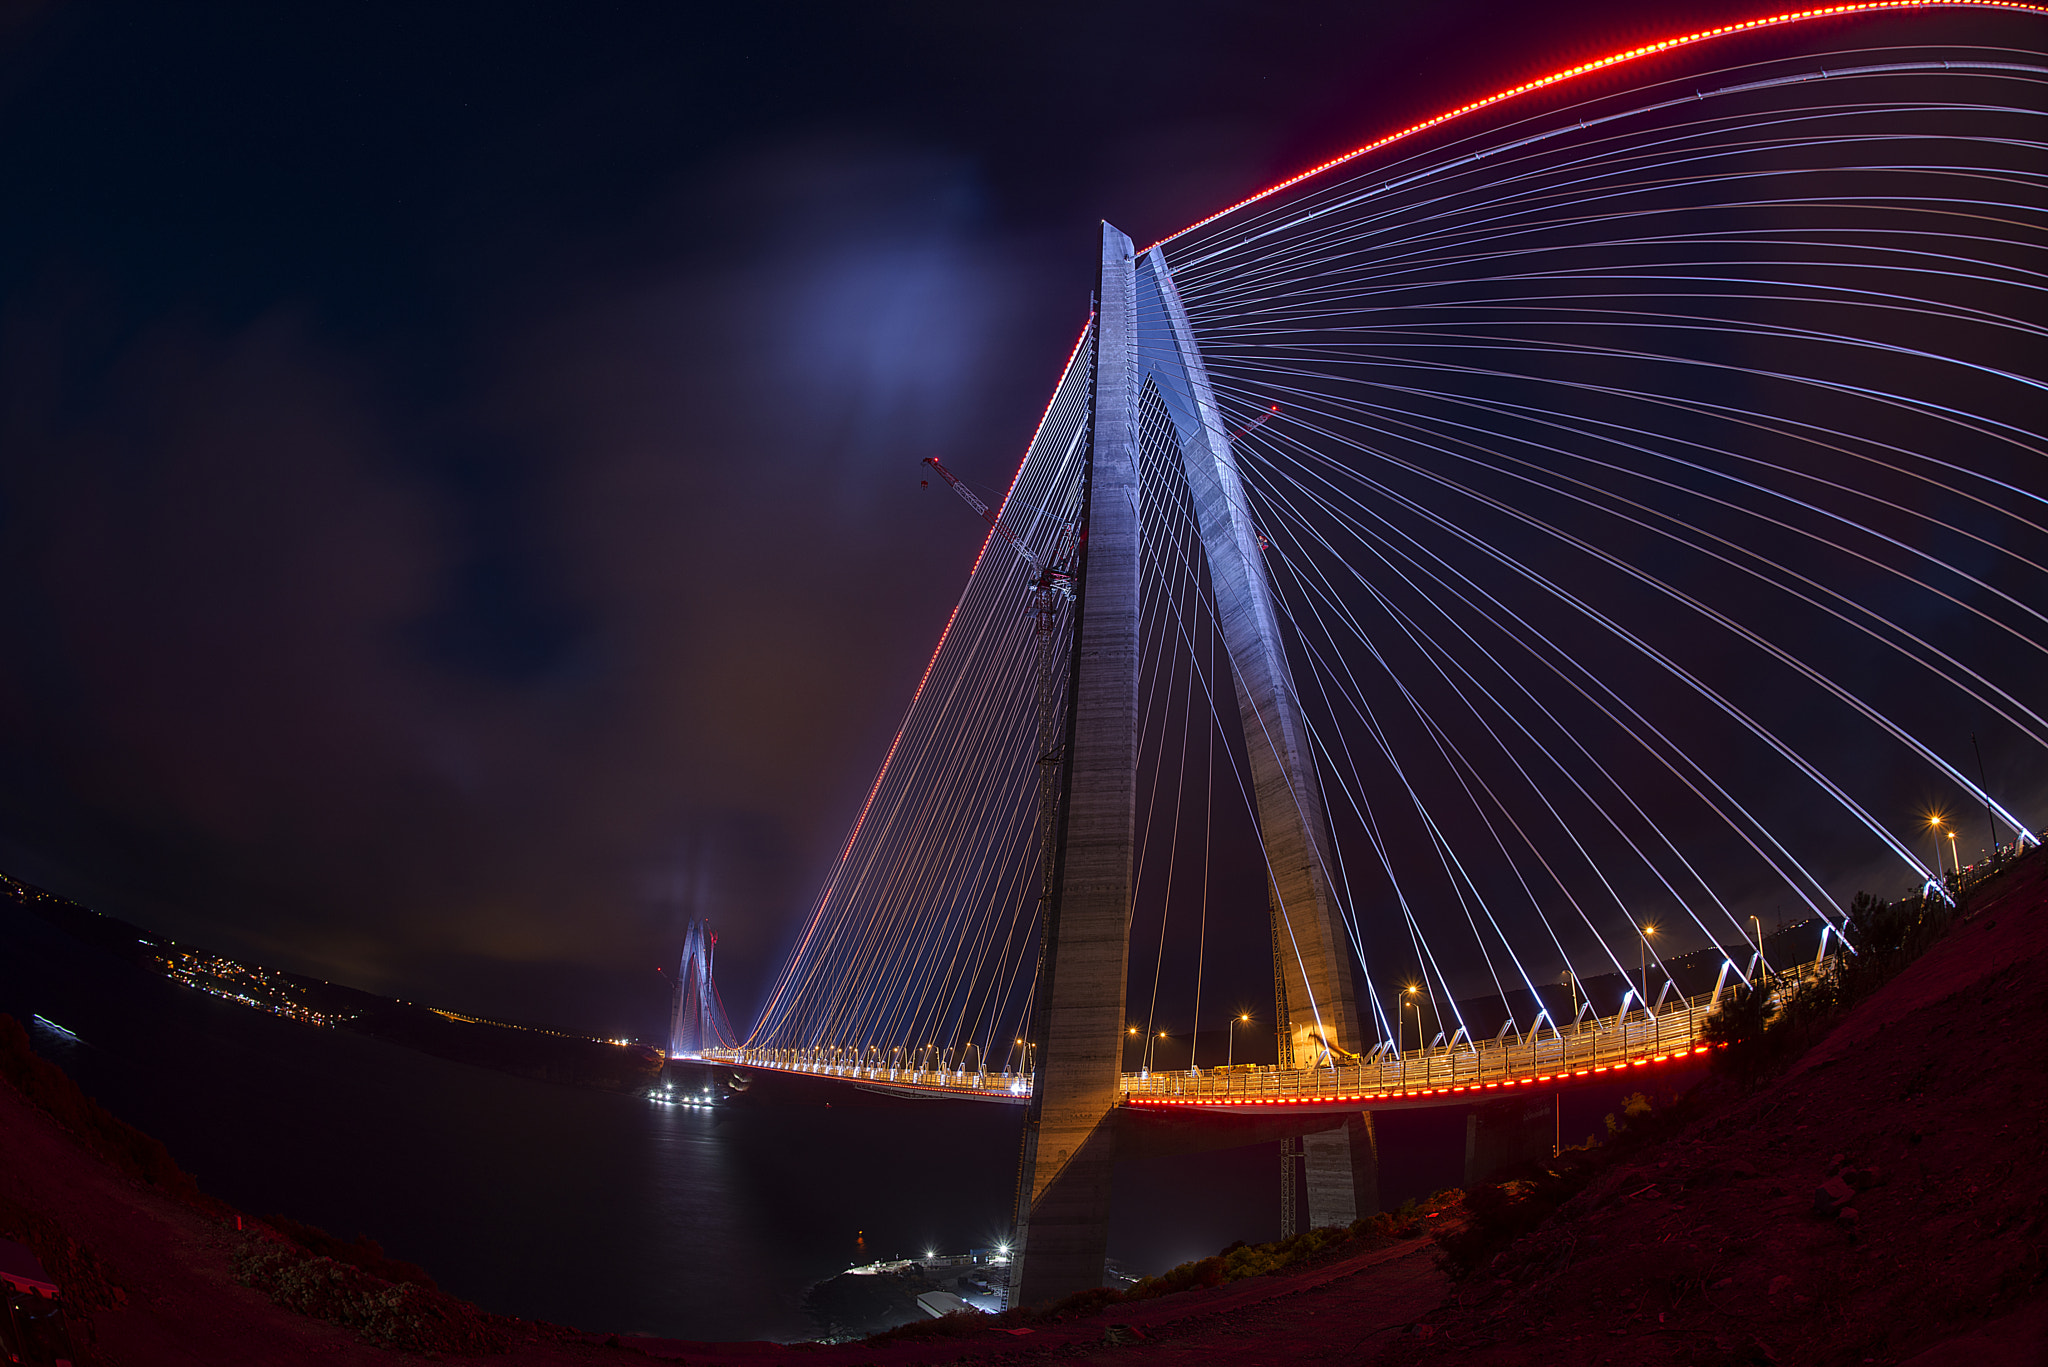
(987, 514)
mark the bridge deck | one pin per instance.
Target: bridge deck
(1441, 1074)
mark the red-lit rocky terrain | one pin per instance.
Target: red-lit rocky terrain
(1882, 1200)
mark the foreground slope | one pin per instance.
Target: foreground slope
(1882, 1201)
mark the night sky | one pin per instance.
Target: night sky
(459, 497)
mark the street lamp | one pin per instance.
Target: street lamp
(1230, 1051)
(1643, 962)
(1148, 1050)
(1955, 859)
(1934, 825)
(1417, 1007)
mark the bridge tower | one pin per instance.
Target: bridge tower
(692, 1026)
(1144, 346)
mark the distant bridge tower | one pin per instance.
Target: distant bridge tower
(1145, 355)
(697, 1022)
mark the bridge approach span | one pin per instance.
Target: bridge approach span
(1592, 1051)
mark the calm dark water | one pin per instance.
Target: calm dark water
(584, 1208)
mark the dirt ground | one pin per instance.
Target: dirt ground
(1928, 1103)
(1926, 1107)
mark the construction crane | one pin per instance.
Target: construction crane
(1046, 576)
(1052, 585)
(1272, 411)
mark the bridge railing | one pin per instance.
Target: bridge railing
(1003, 1086)
(1586, 1046)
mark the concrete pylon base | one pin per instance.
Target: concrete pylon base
(1066, 1229)
(1505, 1133)
(1343, 1172)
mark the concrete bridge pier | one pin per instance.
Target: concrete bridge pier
(1343, 1172)
(1507, 1132)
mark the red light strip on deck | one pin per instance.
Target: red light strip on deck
(1222, 1103)
(846, 850)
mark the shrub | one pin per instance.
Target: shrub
(390, 1315)
(1495, 1216)
(115, 1140)
(363, 1253)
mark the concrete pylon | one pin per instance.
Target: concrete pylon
(1077, 1025)
(1343, 1172)
(1505, 1133)
(1312, 958)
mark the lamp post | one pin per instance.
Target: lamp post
(1643, 962)
(1416, 1007)
(1230, 1049)
(1934, 825)
(1955, 859)
(1400, 1024)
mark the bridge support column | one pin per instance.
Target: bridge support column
(1317, 1005)
(1504, 1133)
(1343, 1172)
(1078, 1023)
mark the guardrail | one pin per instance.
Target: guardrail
(1585, 1047)
(1580, 1050)
(1013, 1087)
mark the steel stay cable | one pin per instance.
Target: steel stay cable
(1439, 655)
(1565, 421)
(1355, 697)
(1776, 652)
(1706, 694)
(1223, 240)
(1251, 805)
(1456, 757)
(1407, 418)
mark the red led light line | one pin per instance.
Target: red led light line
(846, 850)
(1614, 59)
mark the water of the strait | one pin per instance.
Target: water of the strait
(586, 1208)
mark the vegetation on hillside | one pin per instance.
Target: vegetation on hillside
(119, 1143)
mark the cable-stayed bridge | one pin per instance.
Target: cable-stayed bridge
(1537, 543)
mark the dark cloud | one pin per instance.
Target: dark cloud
(458, 504)
(399, 691)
